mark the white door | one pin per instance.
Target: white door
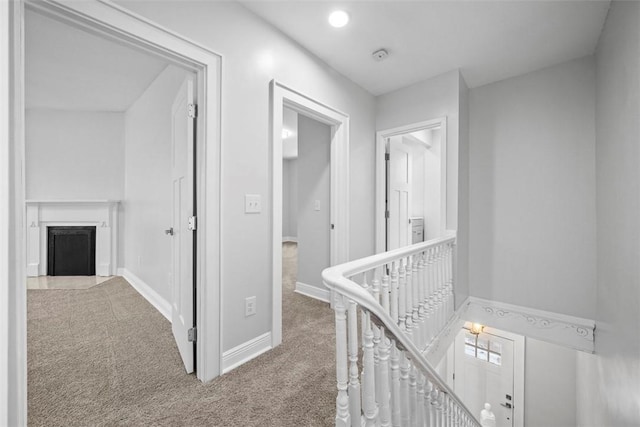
(182, 243)
(484, 374)
(398, 194)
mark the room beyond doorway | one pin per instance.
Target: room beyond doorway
(306, 197)
(338, 123)
(411, 184)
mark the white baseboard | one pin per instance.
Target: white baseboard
(241, 354)
(290, 239)
(33, 269)
(162, 305)
(313, 292)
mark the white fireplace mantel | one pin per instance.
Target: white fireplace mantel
(103, 214)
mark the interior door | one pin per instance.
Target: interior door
(484, 374)
(398, 194)
(182, 156)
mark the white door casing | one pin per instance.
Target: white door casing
(282, 96)
(399, 194)
(494, 376)
(182, 147)
(110, 20)
(381, 174)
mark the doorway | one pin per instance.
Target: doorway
(306, 207)
(411, 184)
(337, 122)
(488, 367)
(112, 22)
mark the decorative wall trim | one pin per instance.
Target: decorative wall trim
(311, 291)
(568, 331)
(161, 304)
(290, 239)
(241, 354)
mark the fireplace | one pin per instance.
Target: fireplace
(71, 251)
(99, 215)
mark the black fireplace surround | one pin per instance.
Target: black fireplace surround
(71, 251)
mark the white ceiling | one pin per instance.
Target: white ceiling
(71, 69)
(487, 40)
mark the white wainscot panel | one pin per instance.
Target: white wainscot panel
(103, 214)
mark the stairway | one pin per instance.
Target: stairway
(390, 309)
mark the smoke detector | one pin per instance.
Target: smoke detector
(380, 54)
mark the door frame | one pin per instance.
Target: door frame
(518, 369)
(380, 206)
(283, 96)
(115, 22)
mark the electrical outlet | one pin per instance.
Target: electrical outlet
(249, 306)
(252, 203)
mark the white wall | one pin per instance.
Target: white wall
(314, 184)
(148, 189)
(532, 190)
(431, 99)
(290, 198)
(433, 186)
(550, 385)
(74, 155)
(417, 176)
(609, 391)
(253, 54)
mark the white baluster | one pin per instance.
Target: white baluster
(413, 396)
(376, 287)
(450, 281)
(430, 297)
(395, 385)
(415, 282)
(402, 296)
(368, 375)
(422, 312)
(385, 293)
(405, 406)
(354, 380)
(420, 383)
(409, 299)
(342, 376)
(382, 377)
(393, 291)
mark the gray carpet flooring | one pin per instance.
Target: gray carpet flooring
(104, 356)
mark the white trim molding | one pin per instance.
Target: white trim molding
(244, 352)
(573, 332)
(102, 214)
(381, 172)
(283, 96)
(147, 292)
(314, 292)
(109, 20)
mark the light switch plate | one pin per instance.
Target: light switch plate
(316, 205)
(250, 306)
(252, 203)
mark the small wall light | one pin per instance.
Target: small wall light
(338, 18)
(476, 328)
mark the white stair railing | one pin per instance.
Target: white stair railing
(388, 309)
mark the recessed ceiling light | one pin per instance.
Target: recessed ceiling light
(338, 18)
